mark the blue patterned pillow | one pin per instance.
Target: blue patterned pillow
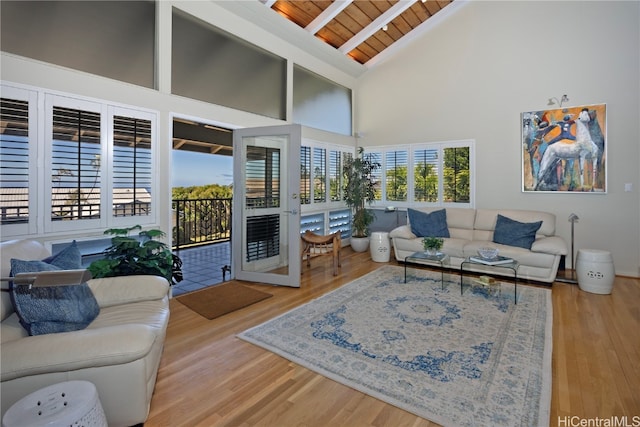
(57, 308)
(432, 224)
(514, 233)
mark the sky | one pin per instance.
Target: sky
(190, 168)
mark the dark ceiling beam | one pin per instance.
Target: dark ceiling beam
(201, 133)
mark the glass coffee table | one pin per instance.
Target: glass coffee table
(418, 259)
(513, 266)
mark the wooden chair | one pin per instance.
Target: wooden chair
(315, 245)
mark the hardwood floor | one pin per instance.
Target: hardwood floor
(208, 377)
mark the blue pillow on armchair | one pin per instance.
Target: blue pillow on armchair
(57, 308)
(432, 224)
(514, 233)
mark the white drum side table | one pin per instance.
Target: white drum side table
(595, 271)
(380, 246)
(68, 403)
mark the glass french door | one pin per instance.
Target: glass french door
(266, 206)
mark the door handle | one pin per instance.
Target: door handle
(293, 212)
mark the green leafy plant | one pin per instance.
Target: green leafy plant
(432, 243)
(359, 190)
(130, 255)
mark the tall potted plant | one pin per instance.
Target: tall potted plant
(359, 192)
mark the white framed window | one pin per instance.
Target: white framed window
(438, 174)
(83, 164)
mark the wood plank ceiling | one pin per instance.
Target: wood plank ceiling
(360, 29)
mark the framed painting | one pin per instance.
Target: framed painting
(565, 150)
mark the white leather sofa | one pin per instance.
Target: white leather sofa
(119, 352)
(471, 229)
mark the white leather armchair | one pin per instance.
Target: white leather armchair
(119, 352)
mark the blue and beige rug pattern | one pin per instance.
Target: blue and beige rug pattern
(475, 359)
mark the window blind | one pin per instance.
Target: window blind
(76, 164)
(396, 175)
(319, 175)
(14, 161)
(456, 175)
(335, 174)
(314, 222)
(305, 175)
(425, 175)
(263, 237)
(262, 176)
(340, 221)
(132, 166)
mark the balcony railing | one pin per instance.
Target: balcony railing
(200, 221)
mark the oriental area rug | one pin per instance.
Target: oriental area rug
(218, 300)
(475, 359)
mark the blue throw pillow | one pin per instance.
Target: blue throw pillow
(432, 224)
(57, 308)
(514, 233)
(69, 258)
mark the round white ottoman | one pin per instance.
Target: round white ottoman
(595, 271)
(380, 246)
(71, 403)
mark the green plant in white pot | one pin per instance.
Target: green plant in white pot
(359, 192)
(432, 244)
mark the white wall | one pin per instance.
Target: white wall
(30, 73)
(473, 74)
(469, 77)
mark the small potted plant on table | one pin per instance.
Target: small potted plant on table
(432, 245)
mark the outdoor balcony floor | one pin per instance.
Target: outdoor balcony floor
(202, 266)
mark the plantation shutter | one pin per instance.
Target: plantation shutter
(14, 161)
(132, 166)
(425, 175)
(456, 175)
(335, 173)
(305, 175)
(76, 164)
(263, 192)
(319, 175)
(263, 237)
(396, 175)
(263, 177)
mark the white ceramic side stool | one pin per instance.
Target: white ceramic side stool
(380, 246)
(70, 403)
(595, 271)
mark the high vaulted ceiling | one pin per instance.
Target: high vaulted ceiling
(360, 29)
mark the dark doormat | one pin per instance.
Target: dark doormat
(219, 300)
